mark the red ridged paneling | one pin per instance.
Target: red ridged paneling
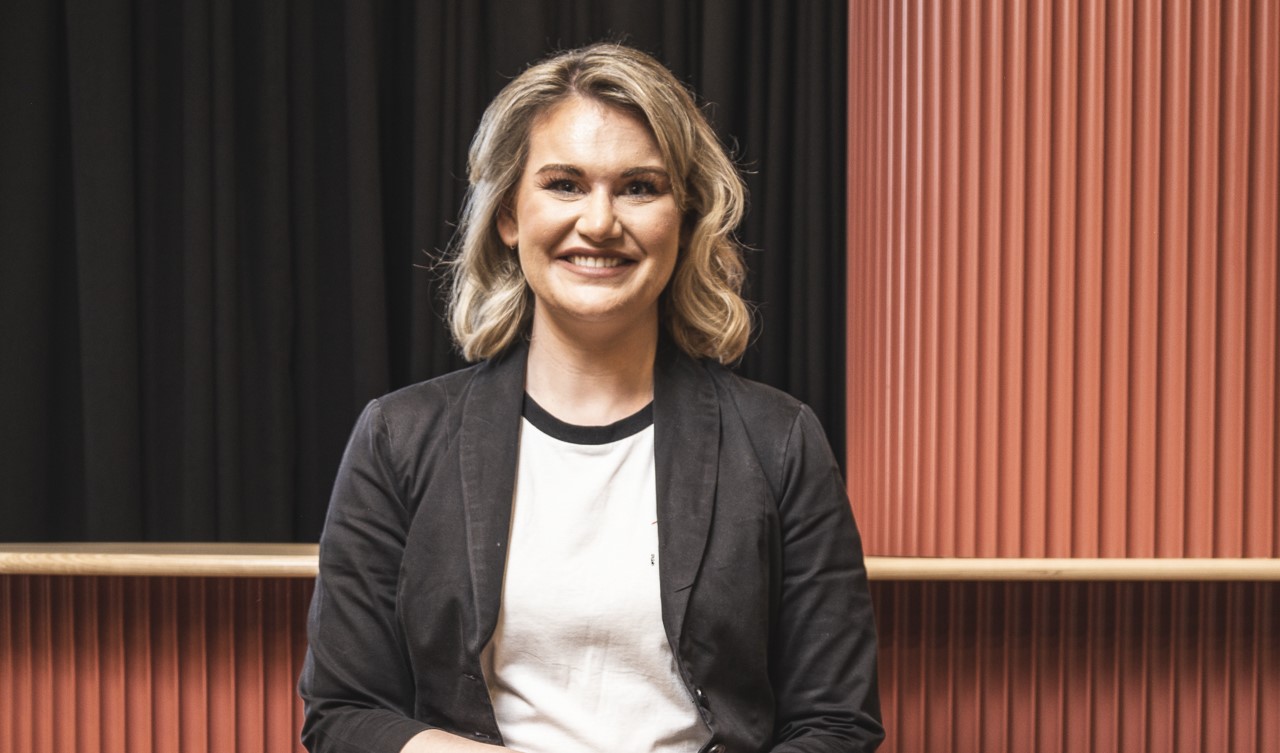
(136, 665)
(1089, 667)
(1062, 277)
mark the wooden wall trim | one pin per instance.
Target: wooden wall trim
(159, 559)
(299, 561)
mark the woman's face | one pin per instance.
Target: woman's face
(593, 215)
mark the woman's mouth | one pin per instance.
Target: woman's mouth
(596, 262)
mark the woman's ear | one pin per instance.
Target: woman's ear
(508, 228)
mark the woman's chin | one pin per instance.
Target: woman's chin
(600, 312)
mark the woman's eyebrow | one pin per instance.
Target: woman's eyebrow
(575, 171)
(634, 171)
(558, 168)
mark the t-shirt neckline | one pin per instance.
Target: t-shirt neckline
(586, 435)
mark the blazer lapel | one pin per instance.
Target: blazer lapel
(686, 419)
(489, 441)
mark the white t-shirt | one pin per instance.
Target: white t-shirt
(579, 661)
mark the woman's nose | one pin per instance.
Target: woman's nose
(598, 221)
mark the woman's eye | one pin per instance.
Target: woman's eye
(562, 186)
(641, 188)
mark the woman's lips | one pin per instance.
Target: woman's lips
(595, 262)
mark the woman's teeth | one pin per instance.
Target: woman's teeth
(602, 262)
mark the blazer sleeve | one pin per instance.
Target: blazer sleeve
(823, 662)
(356, 682)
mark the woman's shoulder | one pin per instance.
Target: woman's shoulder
(434, 392)
(426, 406)
(757, 402)
(782, 432)
(496, 375)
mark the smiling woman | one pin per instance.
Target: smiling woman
(625, 90)
(598, 538)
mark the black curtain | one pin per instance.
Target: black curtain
(218, 221)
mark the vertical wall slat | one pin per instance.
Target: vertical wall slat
(932, 197)
(1010, 458)
(1232, 262)
(139, 691)
(1062, 276)
(250, 698)
(1086, 307)
(166, 675)
(44, 673)
(1262, 523)
(1036, 339)
(220, 614)
(21, 662)
(1266, 616)
(987, 535)
(967, 253)
(895, 274)
(86, 686)
(62, 657)
(193, 656)
(1157, 678)
(1071, 345)
(1171, 489)
(1143, 437)
(909, 407)
(930, 363)
(1203, 279)
(878, 290)
(112, 664)
(1117, 279)
(279, 627)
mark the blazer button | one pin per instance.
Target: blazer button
(701, 698)
(717, 748)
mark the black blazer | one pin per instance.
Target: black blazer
(764, 593)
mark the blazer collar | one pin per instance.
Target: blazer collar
(686, 424)
(488, 449)
(686, 417)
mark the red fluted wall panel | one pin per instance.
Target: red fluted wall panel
(1089, 667)
(143, 665)
(1062, 277)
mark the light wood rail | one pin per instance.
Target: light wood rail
(299, 561)
(161, 559)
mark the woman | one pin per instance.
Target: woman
(597, 538)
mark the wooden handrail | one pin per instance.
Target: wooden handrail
(186, 560)
(1083, 569)
(299, 561)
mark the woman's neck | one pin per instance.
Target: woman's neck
(591, 381)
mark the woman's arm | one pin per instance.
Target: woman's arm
(823, 652)
(356, 682)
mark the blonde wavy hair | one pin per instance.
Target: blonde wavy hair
(490, 303)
